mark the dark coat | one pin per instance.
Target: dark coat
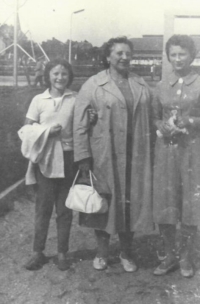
(106, 143)
(177, 159)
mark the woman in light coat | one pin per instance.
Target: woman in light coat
(118, 149)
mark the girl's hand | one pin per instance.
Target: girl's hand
(92, 116)
(55, 129)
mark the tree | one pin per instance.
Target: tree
(7, 34)
(55, 48)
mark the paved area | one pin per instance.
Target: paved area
(81, 284)
(8, 80)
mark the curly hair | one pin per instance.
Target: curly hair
(52, 64)
(107, 47)
(184, 41)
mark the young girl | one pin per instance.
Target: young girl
(54, 110)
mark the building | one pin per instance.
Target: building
(148, 49)
(148, 52)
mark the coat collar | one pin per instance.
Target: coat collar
(104, 77)
(188, 79)
(136, 84)
(46, 94)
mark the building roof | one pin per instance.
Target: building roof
(154, 43)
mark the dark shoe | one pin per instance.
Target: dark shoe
(63, 263)
(187, 247)
(168, 264)
(36, 262)
(161, 255)
(187, 270)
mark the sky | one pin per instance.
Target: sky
(100, 20)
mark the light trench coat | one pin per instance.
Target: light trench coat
(106, 143)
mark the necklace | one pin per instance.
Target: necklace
(119, 80)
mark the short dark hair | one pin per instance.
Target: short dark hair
(52, 64)
(184, 41)
(109, 44)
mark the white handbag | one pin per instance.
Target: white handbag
(86, 199)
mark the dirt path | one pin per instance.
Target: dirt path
(81, 284)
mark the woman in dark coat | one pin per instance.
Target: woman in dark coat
(118, 149)
(177, 156)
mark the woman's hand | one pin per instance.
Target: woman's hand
(84, 166)
(92, 116)
(183, 122)
(165, 128)
(55, 129)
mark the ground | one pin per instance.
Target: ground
(82, 284)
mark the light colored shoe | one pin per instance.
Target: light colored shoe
(128, 264)
(100, 263)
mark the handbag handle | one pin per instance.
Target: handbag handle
(91, 175)
(75, 178)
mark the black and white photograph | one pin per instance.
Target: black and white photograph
(99, 152)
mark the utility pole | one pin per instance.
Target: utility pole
(15, 58)
(70, 39)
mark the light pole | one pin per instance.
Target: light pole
(70, 38)
(15, 58)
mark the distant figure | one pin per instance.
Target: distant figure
(158, 71)
(39, 72)
(152, 71)
(25, 66)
